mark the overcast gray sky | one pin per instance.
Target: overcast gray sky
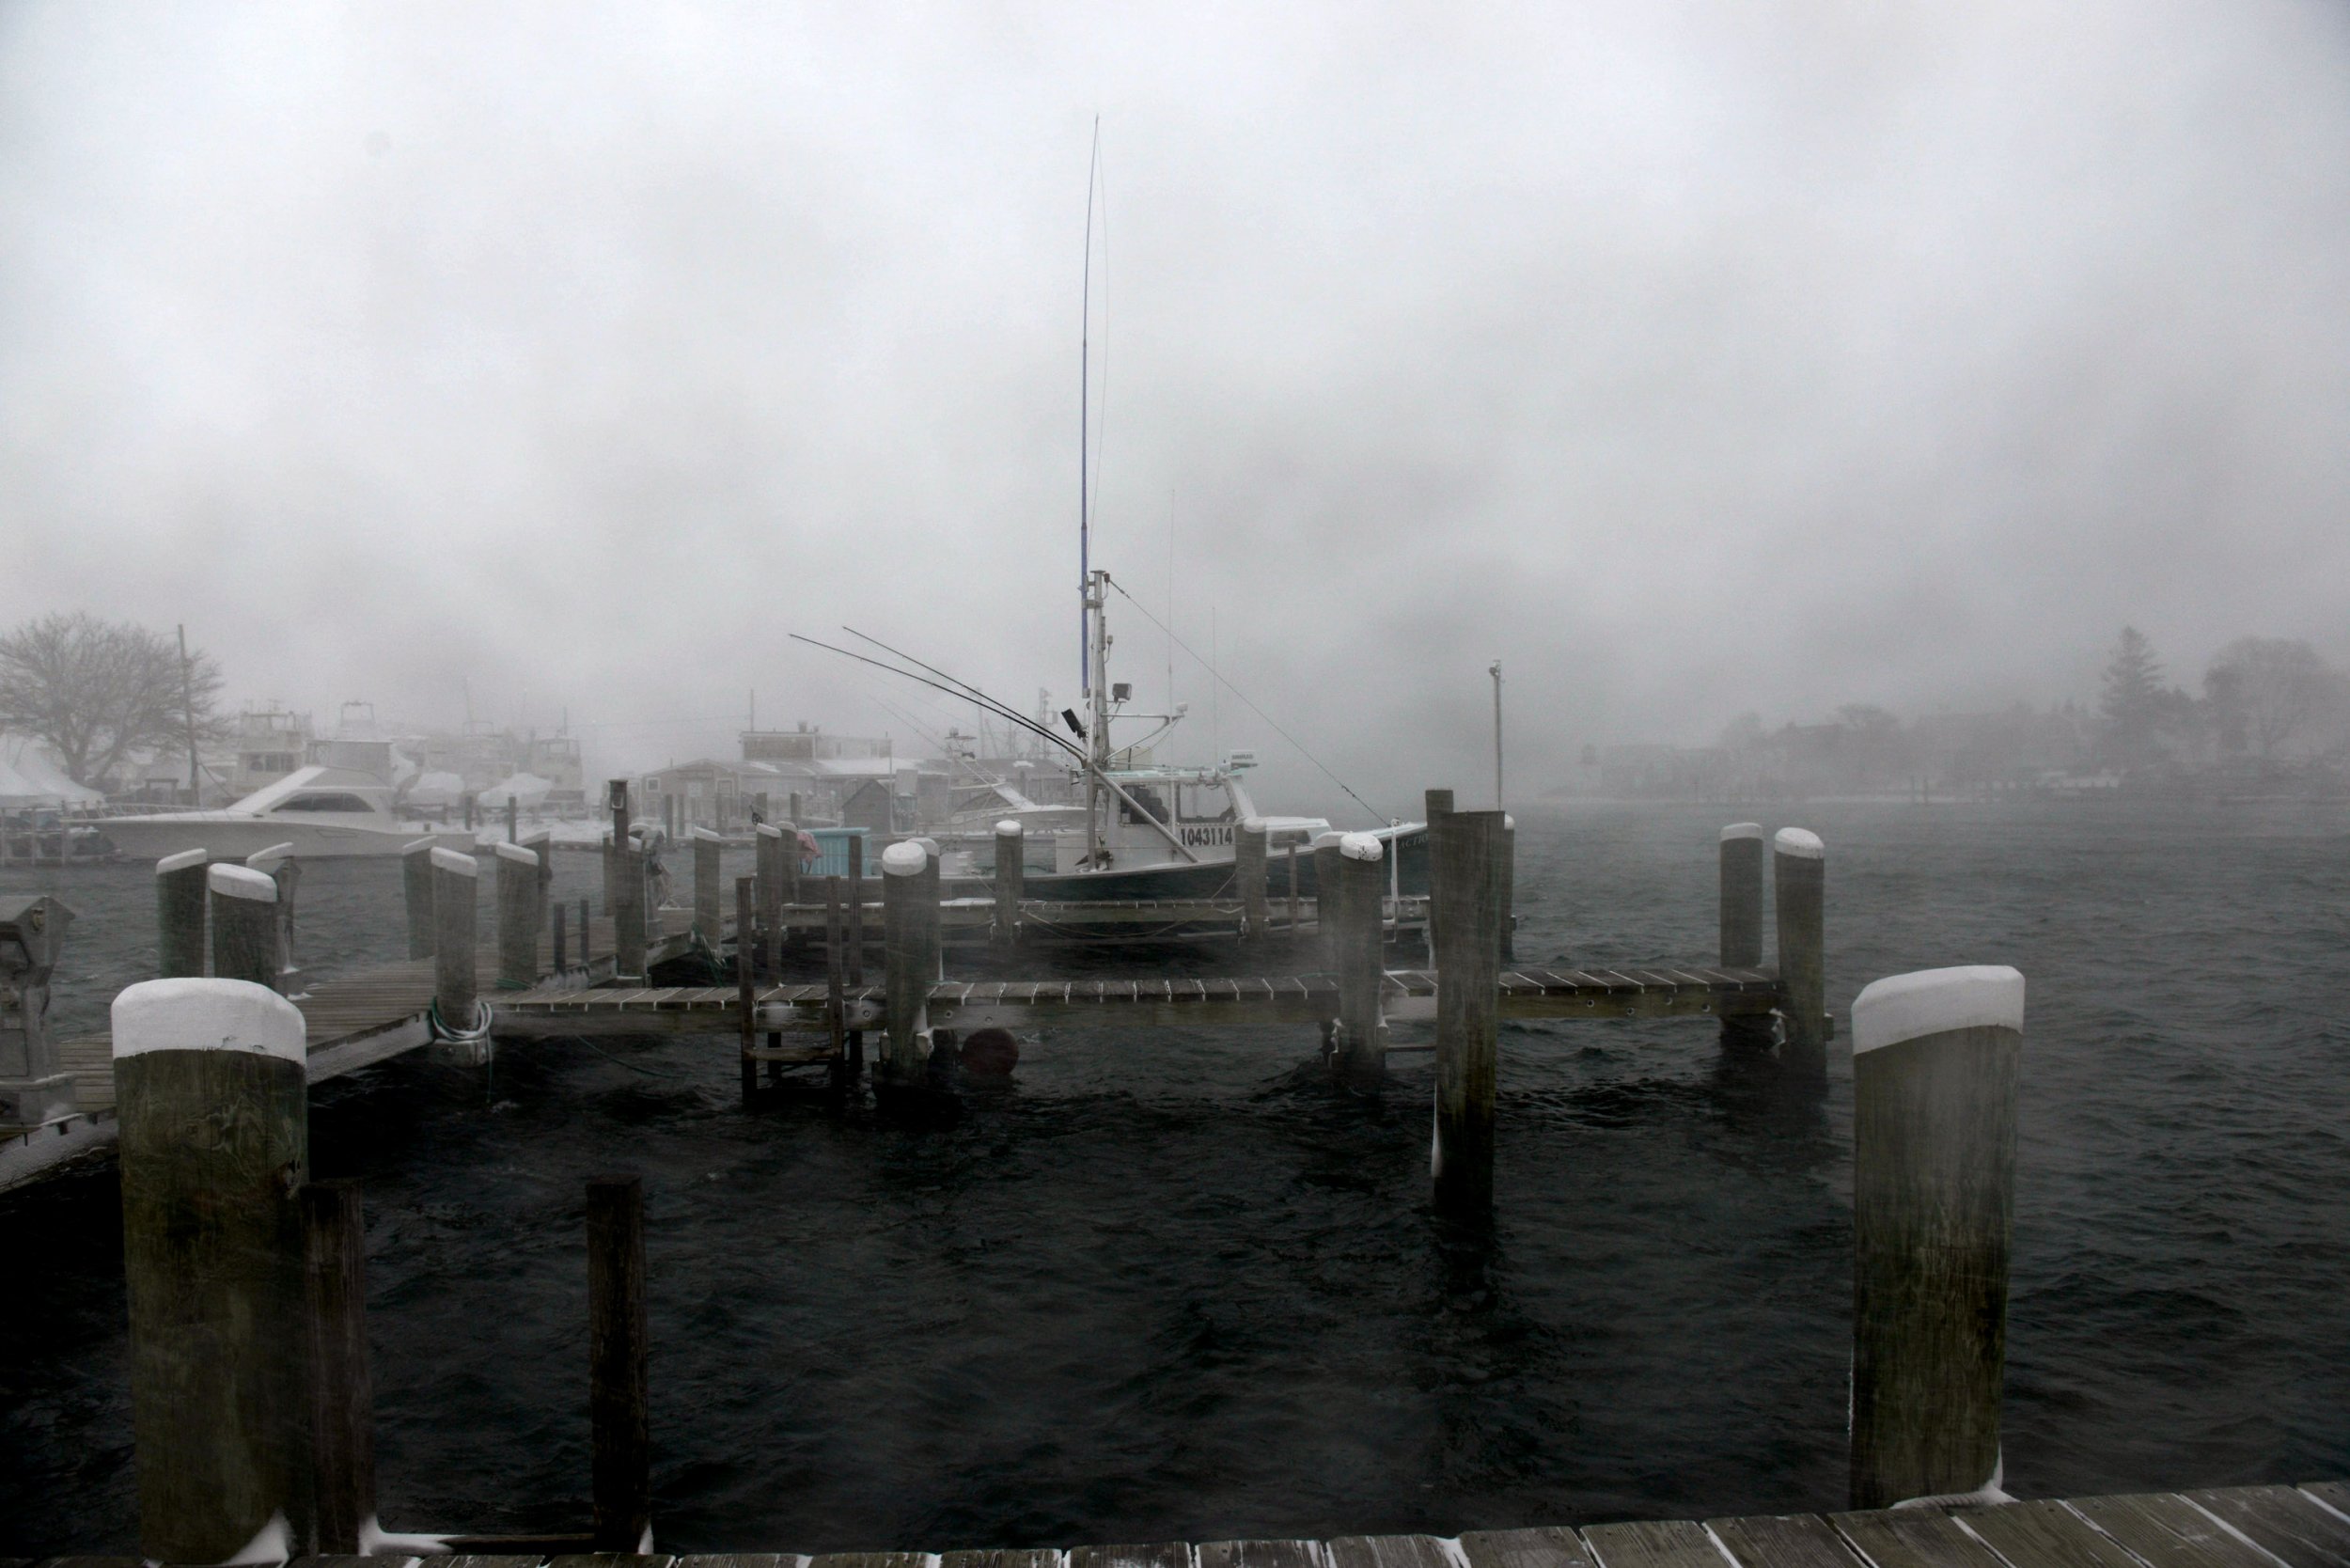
(1690, 358)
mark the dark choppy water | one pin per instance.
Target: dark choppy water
(1159, 1289)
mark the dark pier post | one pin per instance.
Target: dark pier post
(559, 960)
(768, 869)
(616, 797)
(629, 937)
(1012, 875)
(1742, 923)
(910, 964)
(415, 880)
(518, 916)
(583, 934)
(1466, 895)
(1362, 880)
(619, 1386)
(1249, 869)
(514, 818)
(845, 1072)
(456, 934)
(180, 915)
(708, 886)
(343, 1394)
(541, 844)
(1292, 867)
(1436, 803)
(214, 1104)
(745, 995)
(1508, 888)
(1799, 866)
(245, 924)
(1935, 1061)
(469, 810)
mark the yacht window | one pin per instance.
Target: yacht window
(326, 803)
(1146, 797)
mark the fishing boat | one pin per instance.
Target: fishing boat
(324, 813)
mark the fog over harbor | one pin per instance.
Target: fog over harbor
(1692, 362)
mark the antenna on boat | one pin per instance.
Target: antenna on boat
(1085, 432)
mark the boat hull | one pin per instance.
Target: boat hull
(233, 837)
(1212, 879)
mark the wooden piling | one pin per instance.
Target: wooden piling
(212, 1101)
(1435, 804)
(1799, 866)
(616, 798)
(1293, 861)
(1011, 877)
(1248, 870)
(1362, 1057)
(708, 886)
(415, 877)
(772, 848)
(856, 890)
(514, 818)
(1742, 923)
(245, 924)
(1465, 896)
(620, 1386)
(278, 864)
(1328, 897)
(469, 810)
(517, 899)
(584, 954)
(1936, 1057)
(541, 844)
(629, 937)
(909, 922)
(845, 1072)
(745, 995)
(180, 893)
(342, 1393)
(556, 962)
(1508, 871)
(455, 985)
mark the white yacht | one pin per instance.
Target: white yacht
(324, 813)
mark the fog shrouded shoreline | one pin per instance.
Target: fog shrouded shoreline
(1739, 358)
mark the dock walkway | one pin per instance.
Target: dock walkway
(2239, 1527)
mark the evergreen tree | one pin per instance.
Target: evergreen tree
(2132, 700)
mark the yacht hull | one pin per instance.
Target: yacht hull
(225, 836)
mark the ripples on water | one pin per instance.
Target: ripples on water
(1163, 1287)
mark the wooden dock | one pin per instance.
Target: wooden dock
(1407, 995)
(2240, 1526)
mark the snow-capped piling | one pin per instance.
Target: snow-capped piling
(1465, 894)
(180, 915)
(1011, 878)
(1508, 888)
(517, 915)
(1353, 912)
(1327, 895)
(909, 958)
(745, 988)
(1934, 1063)
(456, 931)
(213, 1105)
(415, 880)
(245, 924)
(1799, 870)
(1248, 872)
(1742, 924)
(1434, 804)
(709, 885)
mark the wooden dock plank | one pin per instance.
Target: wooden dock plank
(1914, 1538)
(2334, 1494)
(2168, 1531)
(1783, 1540)
(1261, 1554)
(1653, 1543)
(2043, 1533)
(1525, 1549)
(735, 1559)
(1166, 1554)
(2283, 1522)
(1000, 1558)
(1388, 1551)
(868, 1560)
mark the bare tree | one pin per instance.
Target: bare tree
(2272, 686)
(96, 690)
